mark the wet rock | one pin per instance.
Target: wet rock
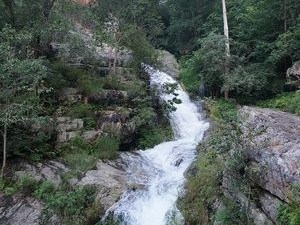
(110, 180)
(17, 210)
(168, 63)
(50, 171)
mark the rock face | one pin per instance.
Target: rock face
(117, 123)
(168, 63)
(109, 96)
(69, 96)
(50, 171)
(110, 180)
(67, 128)
(17, 210)
(293, 74)
(274, 153)
(275, 150)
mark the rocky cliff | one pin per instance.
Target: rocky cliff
(273, 162)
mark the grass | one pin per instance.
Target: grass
(82, 156)
(288, 102)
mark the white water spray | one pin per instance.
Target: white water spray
(157, 175)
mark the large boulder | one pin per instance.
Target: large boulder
(17, 210)
(293, 75)
(117, 123)
(109, 179)
(50, 171)
(68, 128)
(168, 63)
(274, 149)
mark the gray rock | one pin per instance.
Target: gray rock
(117, 123)
(110, 180)
(168, 63)
(232, 191)
(91, 135)
(50, 171)
(293, 74)
(70, 96)
(269, 205)
(19, 210)
(274, 146)
(68, 129)
(67, 124)
(109, 96)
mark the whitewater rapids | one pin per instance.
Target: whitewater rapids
(156, 175)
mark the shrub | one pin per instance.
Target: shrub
(149, 137)
(43, 190)
(81, 110)
(105, 147)
(288, 102)
(70, 206)
(26, 184)
(289, 214)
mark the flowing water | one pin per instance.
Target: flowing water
(156, 176)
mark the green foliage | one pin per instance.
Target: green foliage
(82, 156)
(220, 153)
(231, 214)
(43, 190)
(148, 137)
(289, 214)
(288, 102)
(222, 110)
(76, 77)
(106, 148)
(69, 205)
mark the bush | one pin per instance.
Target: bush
(69, 205)
(289, 214)
(150, 137)
(43, 190)
(105, 148)
(82, 156)
(81, 110)
(288, 102)
(26, 184)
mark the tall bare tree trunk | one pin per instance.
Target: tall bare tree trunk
(227, 48)
(4, 150)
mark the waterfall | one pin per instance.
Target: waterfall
(156, 176)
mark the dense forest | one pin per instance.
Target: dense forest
(72, 70)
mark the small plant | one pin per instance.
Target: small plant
(43, 190)
(26, 184)
(288, 102)
(105, 147)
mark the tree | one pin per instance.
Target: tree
(19, 80)
(227, 49)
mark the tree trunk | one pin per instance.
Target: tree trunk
(227, 48)
(4, 150)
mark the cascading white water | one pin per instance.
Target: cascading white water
(157, 175)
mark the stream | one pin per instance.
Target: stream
(156, 176)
